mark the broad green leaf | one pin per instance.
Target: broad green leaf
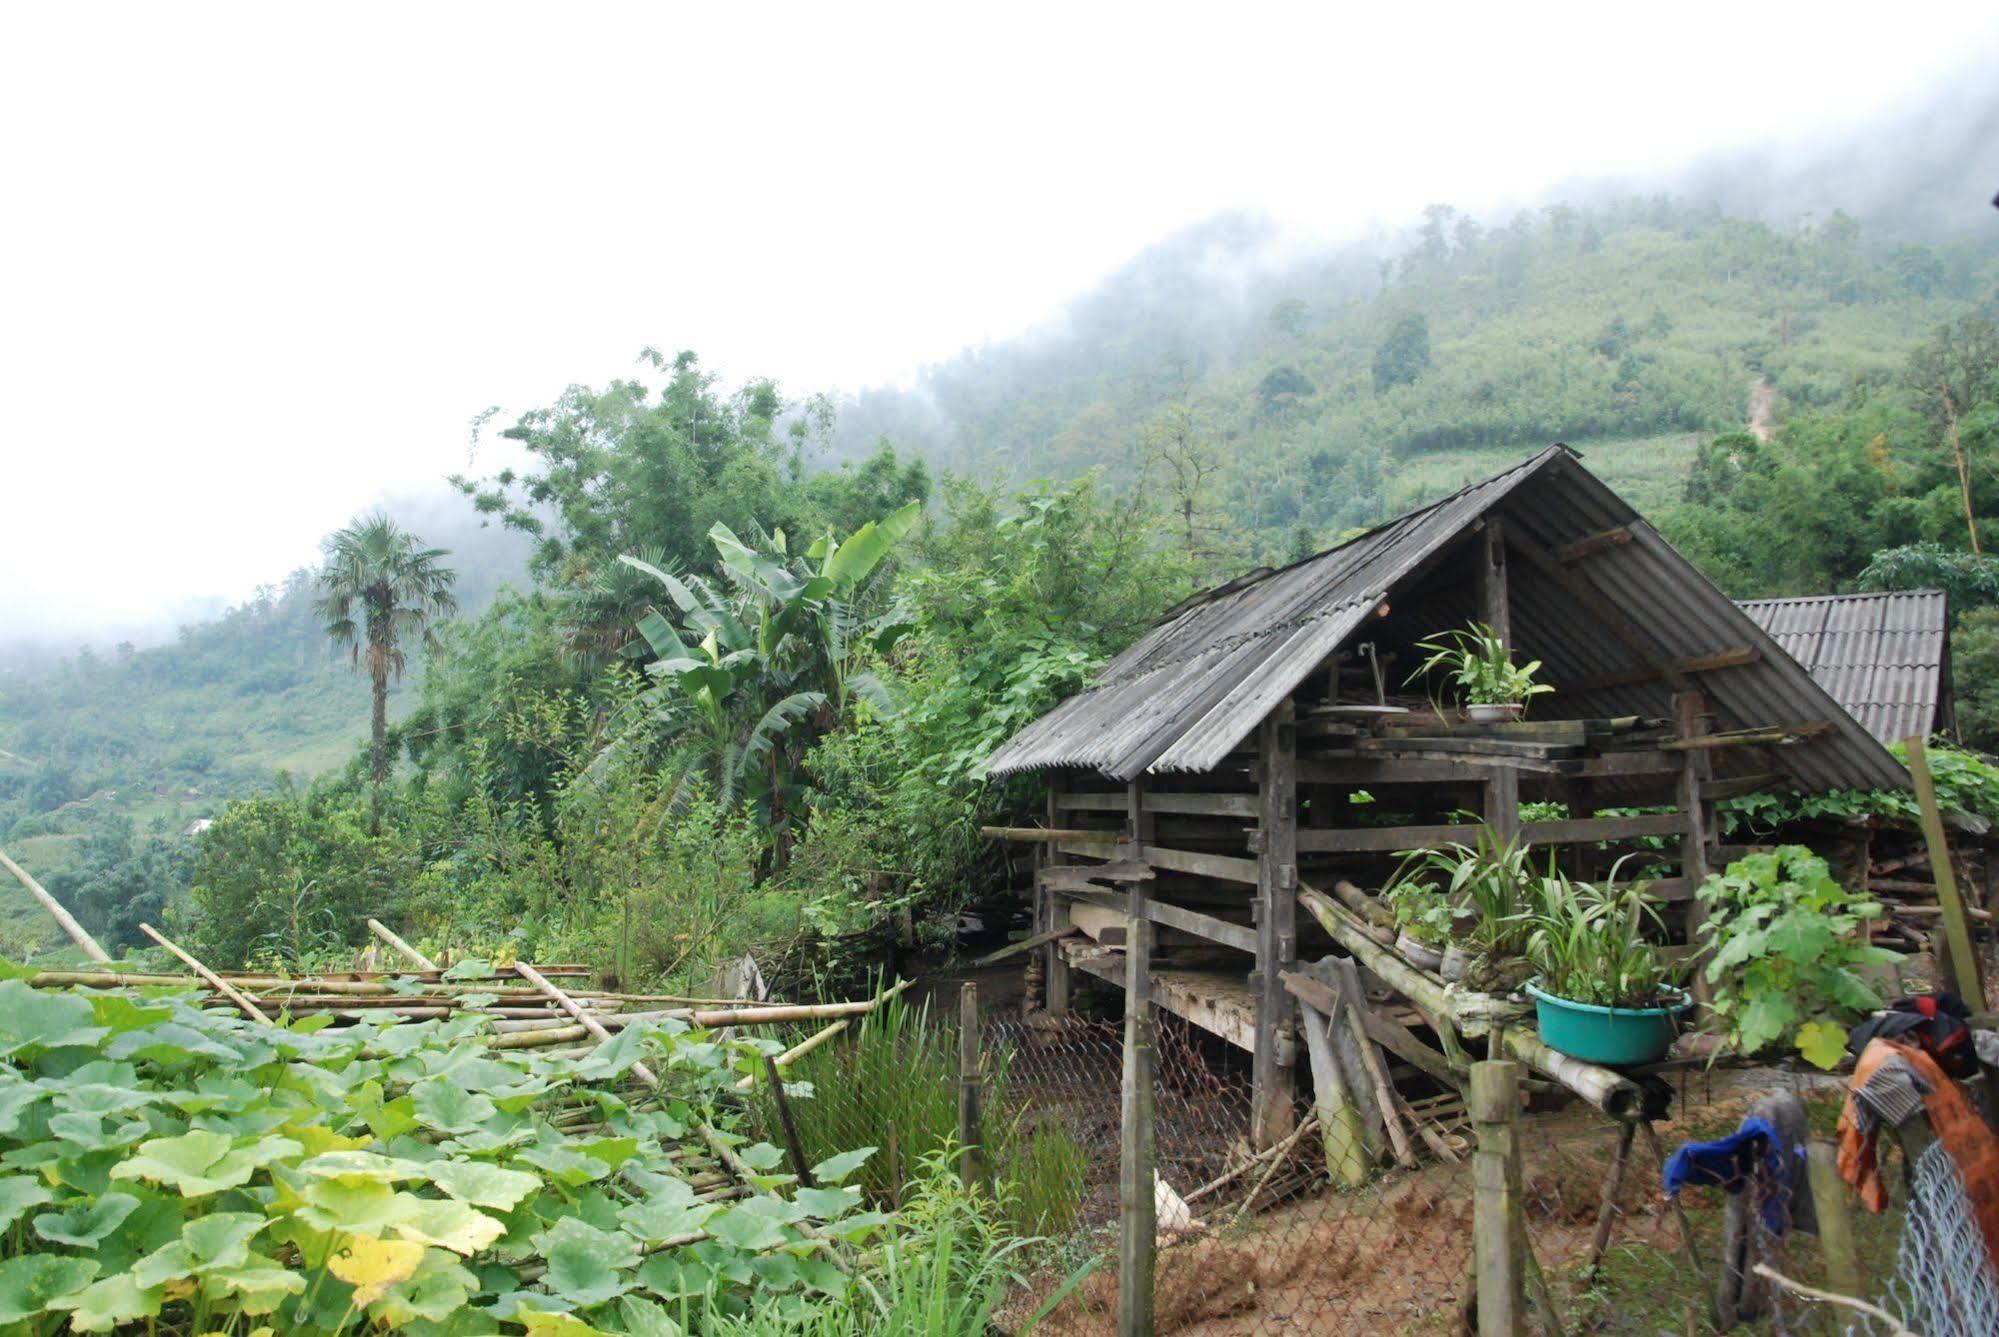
(359, 1207)
(659, 1219)
(835, 1169)
(118, 1013)
(366, 1166)
(586, 1266)
(542, 1323)
(1822, 1043)
(257, 1285)
(644, 1318)
(385, 1119)
(565, 1166)
(481, 1184)
(761, 1156)
(452, 1225)
(202, 1162)
(15, 1101)
(103, 1305)
(1764, 1021)
(17, 1194)
(40, 1019)
(103, 1099)
(85, 1223)
(827, 1203)
(755, 1224)
(449, 1108)
(222, 1239)
(440, 1289)
(29, 1283)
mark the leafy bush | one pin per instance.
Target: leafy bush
(189, 1171)
(1588, 944)
(1785, 939)
(1477, 660)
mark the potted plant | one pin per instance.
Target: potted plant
(1422, 922)
(1492, 687)
(1602, 994)
(1493, 889)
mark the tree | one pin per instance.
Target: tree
(380, 590)
(1404, 355)
(1951, 375)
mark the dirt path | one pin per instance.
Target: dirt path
(1762, 408)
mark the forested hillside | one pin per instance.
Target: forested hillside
(1288, 404)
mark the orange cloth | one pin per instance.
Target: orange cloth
(1962, 1131)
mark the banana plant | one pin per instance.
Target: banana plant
(745, 670)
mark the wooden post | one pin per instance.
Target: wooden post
(1606, 1212)
(1055, 977)
(64, 919)
(1842, 1263)
(971, 1086)
(1696, 836)
(1137, 1207)
(1495, 603)
(1499, 1226)
(1273, 1082)
(1957, 929)
(799, 1165)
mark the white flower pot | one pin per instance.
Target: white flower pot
(1499, 712)
(1420, 955)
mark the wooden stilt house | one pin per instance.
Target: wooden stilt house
(1261, 741)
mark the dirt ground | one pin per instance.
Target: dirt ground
(1393, 1257)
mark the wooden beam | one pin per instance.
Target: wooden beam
(1495, 605)
(1590, 830)
(1165, 913)
(1272, 1084)
(1055, 977)
(1137, 1208)
(407, 952)
(213, 980)
(1386, 839)
(1762, 736)
(1205, 865)
(1601, 541)
(1733, 657)
(1050, 835)
(1204, 805)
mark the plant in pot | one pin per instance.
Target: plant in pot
(1602, 993)
(1474, 657)
(1423, 920)
(1493, 889)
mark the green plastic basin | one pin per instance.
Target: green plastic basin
(1612, 1036)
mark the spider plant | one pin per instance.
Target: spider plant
(1495, 883)
(1588, 944)
(1477, 660)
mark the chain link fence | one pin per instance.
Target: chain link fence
(1264, 1241)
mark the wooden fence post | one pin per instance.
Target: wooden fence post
(971, 1086)
(1499, 1227)
(1842, 1263)
(1137, 1209)
(1957, 929)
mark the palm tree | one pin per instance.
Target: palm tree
(380, 590)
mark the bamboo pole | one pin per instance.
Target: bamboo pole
(1138, 1203)
(799, 1050)
(1377, 1076)
(1339, 1118)
(409, 953)
(1842, 1263)
(588, 1021)
(1957, 931)
(77, 933)
(215, 981)
(971, 1087)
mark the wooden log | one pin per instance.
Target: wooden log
(1775, 735)
(1369, 908)
(1733, 657)
(1273, 1086)
(1601, 541)
(1592, 830)
(1606, 1211)
(403, 949)
(793, 1146)
(1024, 945)
(1957, 930)
(1333, 1101)
(1499, 1223)
(1385, 839)
(64, 919)
(1354, 1009)
(1206, 865)
(215, 981)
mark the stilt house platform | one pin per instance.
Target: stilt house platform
(1260, 742)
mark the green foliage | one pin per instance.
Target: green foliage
(184, 1169)
(897, 1076)
(1966, 784)
(380, 592)
(1493, 883)
(1784, 940)
(1404, 354)
(1587, 944)
(1974, 657)
(1476, 660)
(1970, 579)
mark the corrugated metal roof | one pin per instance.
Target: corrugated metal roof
(1190, 690)
(1881, 656)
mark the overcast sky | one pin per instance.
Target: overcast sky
(262, 263)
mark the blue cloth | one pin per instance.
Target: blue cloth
(1731, 1163)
